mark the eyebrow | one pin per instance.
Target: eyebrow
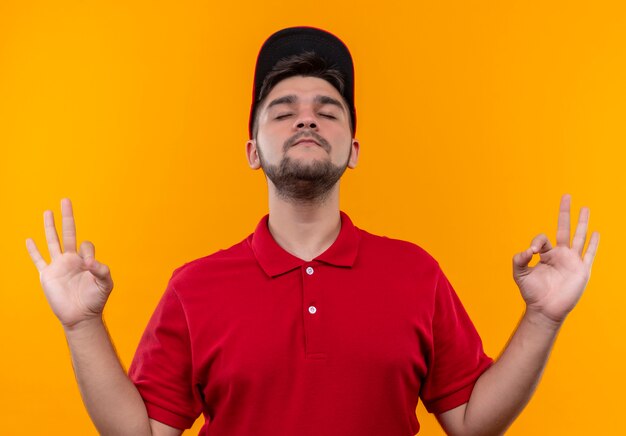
(287, 99)
(324, 99)
(320, 99)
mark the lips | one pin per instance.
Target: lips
(307, 138)
(307, 141)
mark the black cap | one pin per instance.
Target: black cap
(298, 40)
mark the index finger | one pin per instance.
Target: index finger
(68, 226)
(563, 227)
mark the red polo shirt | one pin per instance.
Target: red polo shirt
(263, 343)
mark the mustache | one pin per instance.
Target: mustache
(306, 134)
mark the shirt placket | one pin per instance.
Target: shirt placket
(313, 311)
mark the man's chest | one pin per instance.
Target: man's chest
(318, 321)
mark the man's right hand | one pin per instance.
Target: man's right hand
(76, 285)
(77, 288)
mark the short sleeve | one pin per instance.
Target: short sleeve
(457, 358)
(162, 367)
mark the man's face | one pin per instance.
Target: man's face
(303, 141)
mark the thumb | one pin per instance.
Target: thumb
(103, 276)
(521, 261)
(101, 273)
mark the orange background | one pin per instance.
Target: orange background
(474, 117)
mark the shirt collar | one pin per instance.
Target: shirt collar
(275, 260)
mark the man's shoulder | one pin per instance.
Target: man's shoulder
(235, 256)
(385, 247)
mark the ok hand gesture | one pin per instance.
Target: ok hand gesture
(553, 286)
(75, 283)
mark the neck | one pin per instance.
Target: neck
(304, 229)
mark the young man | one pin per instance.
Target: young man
(310, 326)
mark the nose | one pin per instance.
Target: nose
(306, 120)
(310, 124)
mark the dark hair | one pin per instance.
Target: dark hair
(306, 64)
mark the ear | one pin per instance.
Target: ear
(354, 156)
(252, 154)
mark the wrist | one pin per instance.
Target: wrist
(542, 321)
(84, 326)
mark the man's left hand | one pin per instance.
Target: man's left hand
(555, 284)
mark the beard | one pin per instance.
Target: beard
(303, 182)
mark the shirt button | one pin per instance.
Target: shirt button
(312, 309)
(310, 270)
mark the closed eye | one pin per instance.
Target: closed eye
(329, 116)
(282, 116)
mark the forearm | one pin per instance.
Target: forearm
(112, 400)
(502, 392)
